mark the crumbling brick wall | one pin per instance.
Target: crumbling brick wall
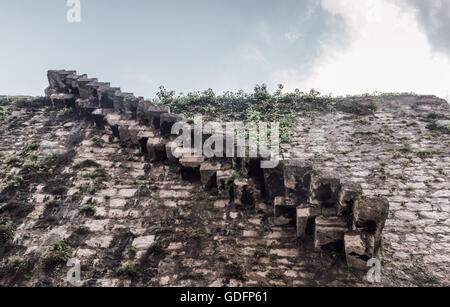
(334, 212)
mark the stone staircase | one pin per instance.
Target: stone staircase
(333, 212)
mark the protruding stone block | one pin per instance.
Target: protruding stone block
(142, 111)
(193, 162)
(135, 132)
(113, 119)
(274, 182)
(156, 149)
(329, 230)
(349, 193)
(106, 96)
(190, 167)
(369, 216)
(125, 133)
(325, 189)
(208, 173)
(153, 114)
(305, 217)
(63, 100)
(99, 116)
(131, 104)
(85, 90)
(359, 248)
(144, 132)
(143, 136)
(297, 179)
(56, 80)
(126, 104)
(224, 182)
(166, 121)
(170, 148)
(284, 211)
(71, 81)
(143, 243)
(245, 193)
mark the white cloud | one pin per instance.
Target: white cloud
(386, 50)
(264, 33)
(292, 36)
(252, 54)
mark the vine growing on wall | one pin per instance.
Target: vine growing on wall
(258, 106)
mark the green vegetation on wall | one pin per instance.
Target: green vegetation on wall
(259, 106)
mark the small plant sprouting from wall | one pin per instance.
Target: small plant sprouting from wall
(56, 255)
(7, 232)
(130, 271)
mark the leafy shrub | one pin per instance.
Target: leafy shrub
(51, 158)
(13, 160)
(237, 271)
(64, 112)
(7, 232)
(16, 264)
(356, 106)
(56, 255)
(82, 230)
(53, 203)
(29, 102)
(424, 154)
(99, 173)
(435, 126)
(88, 209)
(12, 184)
(89, 189)
(130, 270)
(31, 147)
(98, 142)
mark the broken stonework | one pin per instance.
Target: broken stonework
(274, 182)
(349, 193)
(190, 167)
(284, 211)
(359, 248)
(245, 193)
(113, 121)
(297, 180)
(153, 114)
(305, 217)
(99, 116)
(85, 91)
(156, 149)
(170, 147)
(224, 182)
(63, 100)
(325, 188)
(126, 131)
(329, 230)
(369, 216)
(106, 96)
(166, 122)
(56, 80)
(208, 173)
(317, 203)
(141, 111)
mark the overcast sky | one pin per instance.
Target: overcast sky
(335, 46)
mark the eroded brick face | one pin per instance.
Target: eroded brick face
(123, 203)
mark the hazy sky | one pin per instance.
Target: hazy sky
(335, 46)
